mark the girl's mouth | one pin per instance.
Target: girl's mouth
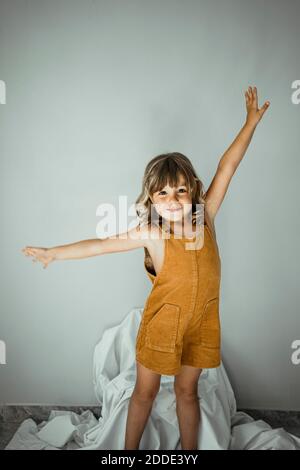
(174, 210)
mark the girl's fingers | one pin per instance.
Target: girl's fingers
(30, 249)
(264, 107)
(33, 252)
(255, 95)
(251, 96)
(248, 100)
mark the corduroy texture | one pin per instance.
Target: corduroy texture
(180, 323)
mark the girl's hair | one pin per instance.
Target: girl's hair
(161, 170)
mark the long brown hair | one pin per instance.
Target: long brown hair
(161, 170)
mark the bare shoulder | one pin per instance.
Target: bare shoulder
(137, 237)
(210, 219)
(146, 235)
(151, 236)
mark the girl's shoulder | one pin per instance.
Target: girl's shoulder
(151, 234)
(153, 231)
(209, 220)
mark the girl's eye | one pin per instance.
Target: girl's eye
(162, 193)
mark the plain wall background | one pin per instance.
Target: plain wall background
(95, 89)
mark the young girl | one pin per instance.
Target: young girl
(180, 330)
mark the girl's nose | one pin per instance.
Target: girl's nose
(173, 199)
(173, 203)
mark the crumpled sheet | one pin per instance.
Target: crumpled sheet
(114, 373)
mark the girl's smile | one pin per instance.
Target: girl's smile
(173, 203)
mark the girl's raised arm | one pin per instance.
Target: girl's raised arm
(125, 241)
(232, 157)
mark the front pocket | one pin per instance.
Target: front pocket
(162, 329)
(210, 330)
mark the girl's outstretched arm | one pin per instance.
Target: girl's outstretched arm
(86, 248)
(234, 154)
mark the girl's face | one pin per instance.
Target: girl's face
(173, 203)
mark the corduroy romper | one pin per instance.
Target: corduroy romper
(180, 323)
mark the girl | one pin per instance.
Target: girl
(180, 330)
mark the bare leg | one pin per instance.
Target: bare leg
(140, 405)
(187, 406)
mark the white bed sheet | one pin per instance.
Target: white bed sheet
(114, 372)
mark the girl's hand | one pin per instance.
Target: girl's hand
(43, 255)
(254, 114)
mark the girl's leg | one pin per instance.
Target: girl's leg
(140, 405)
(187, 406)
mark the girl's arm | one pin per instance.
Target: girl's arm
(86, 248)
(234, 154)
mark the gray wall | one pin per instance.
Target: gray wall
(94, 90)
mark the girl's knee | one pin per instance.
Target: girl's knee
(187, 392)
(145, 395)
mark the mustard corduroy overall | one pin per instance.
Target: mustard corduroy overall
(180, 323)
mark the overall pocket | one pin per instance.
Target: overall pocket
(210, 325)
(162, 329)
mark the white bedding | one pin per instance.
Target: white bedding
(222, 427)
